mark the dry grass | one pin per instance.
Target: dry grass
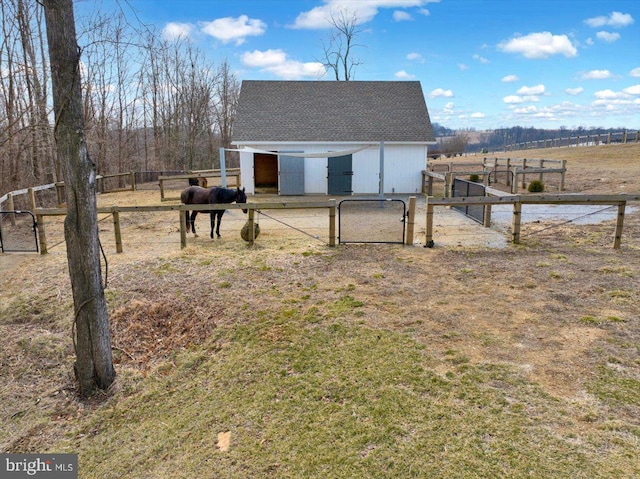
(356, 361)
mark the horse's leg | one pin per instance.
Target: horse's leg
(188, 219)
(193, 223)
(220, 213)
(212, 218)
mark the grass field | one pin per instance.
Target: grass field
(292, 359)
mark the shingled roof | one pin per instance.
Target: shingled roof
(332, 111)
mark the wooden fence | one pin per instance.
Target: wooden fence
(582, 140)
(513, 167)
(9, 198)
(229, 173)
(115, 211)
(518, 200)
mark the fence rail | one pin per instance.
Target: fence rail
(518, 200)
(581, 140)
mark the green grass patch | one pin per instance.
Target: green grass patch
(328, 399)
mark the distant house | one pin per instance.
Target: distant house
(323, 137)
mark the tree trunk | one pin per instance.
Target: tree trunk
(94, 363)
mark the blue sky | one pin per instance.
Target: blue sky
(482, 64)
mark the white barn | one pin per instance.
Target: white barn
(332, 137)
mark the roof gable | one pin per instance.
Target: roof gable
(332, 111)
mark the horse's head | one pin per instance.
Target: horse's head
(241, 198)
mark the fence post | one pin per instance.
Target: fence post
(60, 193)
(32, 199)
(448, 184)
(183, 228)
(428, 243)
(508, 171)
(515, 223)
(251, 223)
(514, 183)
(116, 228)
(620, 221)
(12, 216)
(564, 170)
(132, 176)
(541, 173)
(161, 181)
(524, 167)
(42, 237)
(332, 223)
(411, 220)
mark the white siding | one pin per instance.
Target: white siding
(402, 173)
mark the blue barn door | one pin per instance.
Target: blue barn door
(291, 175)
(340, 175)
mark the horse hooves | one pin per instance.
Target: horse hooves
(195, 235)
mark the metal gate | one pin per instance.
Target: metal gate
(463, 188)
(18, 232)
(371, 221)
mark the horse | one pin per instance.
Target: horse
(195, 195)
(198, 182)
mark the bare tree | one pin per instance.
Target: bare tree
(338, 53)
(94, 362)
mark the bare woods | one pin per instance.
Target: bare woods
(149, 104)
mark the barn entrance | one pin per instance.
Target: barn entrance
(265, 172)
(340, 175)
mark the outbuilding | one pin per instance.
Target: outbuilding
(332, 137)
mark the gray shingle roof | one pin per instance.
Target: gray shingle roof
(332, 111)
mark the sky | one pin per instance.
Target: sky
(482, 64)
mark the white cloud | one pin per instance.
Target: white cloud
(403, 75)
(596, 75)
(364, 11)
(511, 99)
(279, 64)
(439, 92)
(605, 94)
(632, 90)
(230, 29)
(615, 19)
(540, 45)
(449, 105)
(401, 16)
(175, 30)
(510, 79)
(480, 58)
(635, 72)
(478, 115)
(531, 90)
(462, 67)
(608, 37)
(414, 56)
(574, 91)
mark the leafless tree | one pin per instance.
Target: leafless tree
(338, 53)
(94, 363)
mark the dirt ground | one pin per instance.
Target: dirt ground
(553, 307)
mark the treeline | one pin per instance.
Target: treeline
(149, 104)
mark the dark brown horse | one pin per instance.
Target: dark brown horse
(195, 195)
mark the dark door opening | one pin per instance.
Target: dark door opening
(265, 171)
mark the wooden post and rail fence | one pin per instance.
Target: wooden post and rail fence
(229, 173)
(513, 167)
(518, 200)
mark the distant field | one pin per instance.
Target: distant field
(590, 169)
